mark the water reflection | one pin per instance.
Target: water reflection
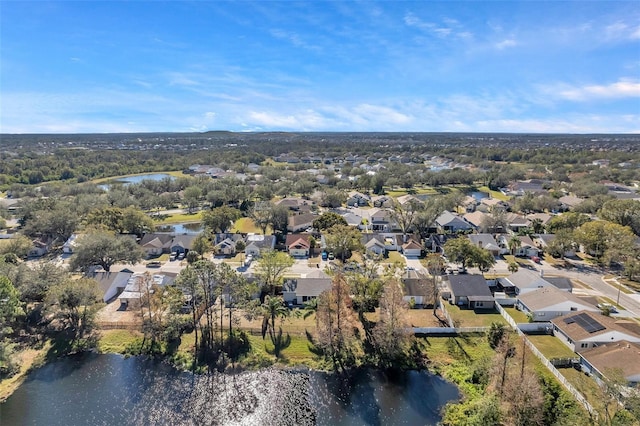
(110, 390)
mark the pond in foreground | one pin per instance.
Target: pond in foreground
(111, 390)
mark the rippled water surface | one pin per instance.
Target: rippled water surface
(111, 390)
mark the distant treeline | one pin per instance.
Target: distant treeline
(33, 159)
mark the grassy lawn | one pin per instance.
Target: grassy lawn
(395, 257)
(471, 318)
(296, 353)
(635, 285)
(494, 194)
(116, 340)
(586, 386)
(443, 351)
(245, 225)
(180, 218)
(518, 316)
(522, 262)
(552, 347)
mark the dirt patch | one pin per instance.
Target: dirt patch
(112, 316)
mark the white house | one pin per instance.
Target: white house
(300, 290)
(547, 303)
(586, 330)
(298, 245)
(69, 246)
(412, 249)
(257, 243)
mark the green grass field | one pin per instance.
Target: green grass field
(245, 225)
(551, 347)
(116, 341)
(471, 318)
(518, 316)
(180, 218)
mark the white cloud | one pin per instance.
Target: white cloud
(620, 89)
(620, 30)
(505, 44)
(448, 28)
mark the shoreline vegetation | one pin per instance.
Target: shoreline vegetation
(466, 361)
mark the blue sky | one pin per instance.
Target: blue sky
(133, 66)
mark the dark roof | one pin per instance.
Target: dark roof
(563, 283)
(414, 287)
(469, 285)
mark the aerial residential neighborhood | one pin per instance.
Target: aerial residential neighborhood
(260, 249)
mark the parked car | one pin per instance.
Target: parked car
(181, 256)
(331, 256)
(607, 307)
(173, 256)
(325, 255)
(154, 264)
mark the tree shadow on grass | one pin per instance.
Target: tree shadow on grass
(280, 343)
(455, 348)
(312, 345)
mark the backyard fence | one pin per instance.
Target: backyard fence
(568, 386)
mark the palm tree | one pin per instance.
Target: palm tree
(310, 307)
(514, 244)
(272, 308)
(513, 267)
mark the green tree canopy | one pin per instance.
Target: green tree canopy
(220, 219)
(327, 220)
(104, 249)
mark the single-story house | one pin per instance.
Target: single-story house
(39, 247)
(524, 281)
(485, 241)
(154, 244)
(450, 222)
(470, 291)
(494, 203)
(380, 220)
(112, 283)
(226, 247)
(301, 290)
(69, 246)
(407, 198)
(357, 199)
(138, 285)
(256, 243)
(516, 222)
(527, 247)
(547, 303)
(621, 355)
(382, 201)
(586, 330)
(353, 219)
(543, 241)
(417, 288)
(300, 222)
(182, 243)
(298, 245)
(374, 247)
(475, 218)
(412, 248)
(293, 203)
